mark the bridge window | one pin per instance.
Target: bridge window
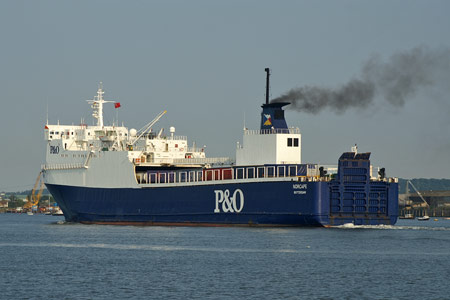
(171, 178)
(295, 142)
(191, 176)
(250, 172)
(152, 177)
(270, 171)
(260, 172)
(281, 171)
(240, 173)
(227, 174)
(162, 178)
(292, 170)
(289, 142)
(182, 177)
(209, 175)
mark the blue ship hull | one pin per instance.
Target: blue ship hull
(277, 203)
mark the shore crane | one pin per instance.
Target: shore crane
(425, 217)
(35, 197)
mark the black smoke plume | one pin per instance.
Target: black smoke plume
(396, 80)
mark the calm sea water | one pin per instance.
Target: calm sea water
(44, 258)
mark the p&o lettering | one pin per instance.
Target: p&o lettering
(54, 149)
(229, 204)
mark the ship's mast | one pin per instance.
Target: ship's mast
(97, 105)
(267, 84)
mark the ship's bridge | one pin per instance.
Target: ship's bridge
(269, 146)
(81, 137)
(273, 143)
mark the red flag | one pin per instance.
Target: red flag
(117, 105)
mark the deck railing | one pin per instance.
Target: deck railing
(62, 166)
(272, 131)
(232, 173)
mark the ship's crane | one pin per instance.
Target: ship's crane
(35, 197)
(147, 127)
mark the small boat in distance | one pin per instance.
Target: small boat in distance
(409, 216)
(426, 217)
(58, 212)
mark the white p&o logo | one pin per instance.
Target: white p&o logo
(229, 204)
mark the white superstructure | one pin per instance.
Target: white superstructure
(117, 157)
(269, 146)
(108, 156)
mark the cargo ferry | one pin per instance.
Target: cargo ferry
(114, 175)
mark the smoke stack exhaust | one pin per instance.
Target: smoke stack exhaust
(396, 80)
(267, 84)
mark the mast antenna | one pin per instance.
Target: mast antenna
(97, 105)
(267, 84)
(47, 111)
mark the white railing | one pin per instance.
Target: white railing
(194, 149)
(168, 138)
(204, 160)
(63, 166)
(272, 131)
(224, 174)
(177, 138)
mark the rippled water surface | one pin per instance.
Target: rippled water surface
(46, 258)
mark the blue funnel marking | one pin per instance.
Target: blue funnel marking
(272, 116)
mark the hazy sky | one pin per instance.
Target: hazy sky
(204, 62)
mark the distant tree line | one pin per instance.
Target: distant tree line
(28, 192)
